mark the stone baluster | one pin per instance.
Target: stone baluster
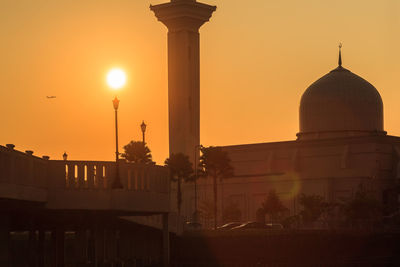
(71, 175)
(81, 175)
(129, 178)
(80, 246)
(99, 177)
(110, 174)
(123, 173)
(135, 179)
(104, 178)
(166, 181)
(139, 180)
(65, 173)
(145, 179)
(90, 176)
(159, 179)
(150, 178)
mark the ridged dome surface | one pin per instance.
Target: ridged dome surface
(340, 103)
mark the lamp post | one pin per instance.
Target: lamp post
(117, 181)
(116, 79)
(143, 127)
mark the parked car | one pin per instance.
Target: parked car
(252, 225)
(229, 226)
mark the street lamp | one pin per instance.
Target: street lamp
(116, 79)
(143, 127)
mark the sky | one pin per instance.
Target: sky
(257, 58)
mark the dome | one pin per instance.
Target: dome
(340, 104)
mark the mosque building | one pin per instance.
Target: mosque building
(341, 142)
(340, 146)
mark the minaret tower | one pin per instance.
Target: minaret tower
(183, 19)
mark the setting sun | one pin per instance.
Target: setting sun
(116, 78)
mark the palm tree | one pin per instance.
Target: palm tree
(215, 163)
(180, 169)
(137, 152)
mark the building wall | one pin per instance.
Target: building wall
(331, 168)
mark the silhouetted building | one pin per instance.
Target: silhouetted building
(341, 143)
(340, 146)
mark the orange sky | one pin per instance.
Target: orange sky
(257, 57)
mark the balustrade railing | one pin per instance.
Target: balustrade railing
(25, 169)
(99, 175)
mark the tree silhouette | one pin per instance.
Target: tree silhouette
(313, 207)
(363, 210)
(273, 206)
(215, 163)
(180, 169)
(137, 152)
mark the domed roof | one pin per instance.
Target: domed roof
(340, 104)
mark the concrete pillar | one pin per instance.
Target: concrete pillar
(166, 245)
(57, 237)
(5, 242)
(99, 245)
(41, 248)
(183, 20)
(32, 247)
(111, 245)
(81, 246)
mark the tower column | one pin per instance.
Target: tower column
(183, 18)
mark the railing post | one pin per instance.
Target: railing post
(41, 247)
(81, 246)
(81, 175)
(58, 236)
(71, 176)
(123, 173)
(139, 179)
(110, 175)
(90, 175)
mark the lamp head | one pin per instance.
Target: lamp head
(116, 103)
(143, 126)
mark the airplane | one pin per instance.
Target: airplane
(51, 96)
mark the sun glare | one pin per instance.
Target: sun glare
(116, 78)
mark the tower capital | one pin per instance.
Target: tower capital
(180, 15)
